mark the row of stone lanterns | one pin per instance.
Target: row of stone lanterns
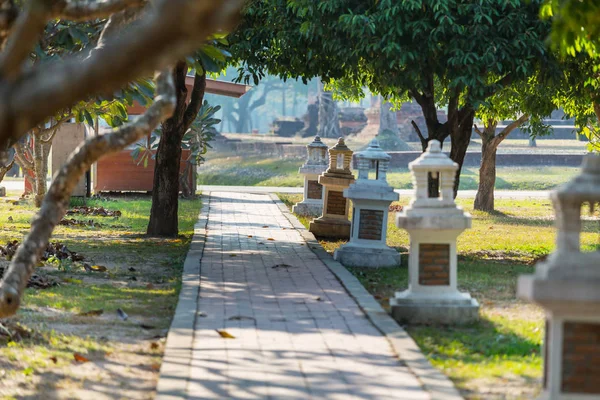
(566, 285)
(432, 223)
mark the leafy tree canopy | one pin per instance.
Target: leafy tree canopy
(575, 25)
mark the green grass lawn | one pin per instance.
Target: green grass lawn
(142, 278)
(499, 356)
(255, 171)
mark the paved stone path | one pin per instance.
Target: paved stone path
(297, 333)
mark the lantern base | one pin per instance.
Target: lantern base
(420, 311)
(355, 256)
(308, 209)
(330, 228)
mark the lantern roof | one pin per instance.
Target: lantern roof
(433, 159)
(316, 143)
(341, 147)
(585, 187)
(374, 152)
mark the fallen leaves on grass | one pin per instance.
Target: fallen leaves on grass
(60, 251)
(53, 359)
(154, 345)
(224, 334)
(14, 331)
(98, 211)
(75, 222)
(395, 208)
(38, 281)
(91, 313)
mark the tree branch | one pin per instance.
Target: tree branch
(170, 31)
(478, 130)
(56, 201)
(512, 126)
(27, 29)
(83, 10)
(418, 130)
(196, 99)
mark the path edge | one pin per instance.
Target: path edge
(439, 386)
(177, 358)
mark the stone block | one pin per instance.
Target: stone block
(307, 209)
(352, 256)
(330, 228)
(2, 191)
(439, 312)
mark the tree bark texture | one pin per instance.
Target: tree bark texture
(484, 199)
(387, 118)
(165, 191)
(329, 121)
(56, 201)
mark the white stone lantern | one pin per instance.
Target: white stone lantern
(371, 197)
(333, 223)
(433, 224)
(315, 165)
(567, 286)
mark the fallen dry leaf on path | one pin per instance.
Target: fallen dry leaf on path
(224, 334)
(54, 359)
(240, 318)
(79, 358)
(154, 345)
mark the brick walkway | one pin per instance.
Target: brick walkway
(298, 334)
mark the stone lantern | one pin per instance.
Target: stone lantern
(315, 165)
(433, 224)
(333, 223)
(371, 197)
(567, 286)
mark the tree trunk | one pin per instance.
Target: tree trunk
(329, 121)
(165, 191)
(461, 137)
(532, 142)
(484, 200)
(387, 118)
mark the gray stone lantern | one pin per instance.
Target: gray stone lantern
(371, 197)
(315, 165)
(567, 286)
(333, 223)
(433, 223)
